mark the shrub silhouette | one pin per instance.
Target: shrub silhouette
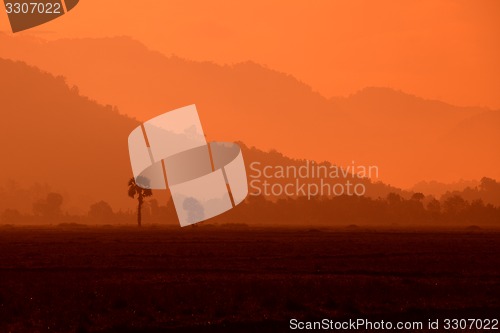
(50, 207)
(101, 211)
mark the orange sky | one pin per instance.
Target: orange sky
(447, 50)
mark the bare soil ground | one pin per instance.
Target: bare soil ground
(119, 279)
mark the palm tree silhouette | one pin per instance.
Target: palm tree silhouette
(134, 189)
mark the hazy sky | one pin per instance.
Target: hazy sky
(447, 50)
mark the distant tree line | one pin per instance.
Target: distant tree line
(464, 208)
(363, 211)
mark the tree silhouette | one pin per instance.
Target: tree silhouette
(455, 205)
(135, 189)
(101, 211)
(50, 207)
(417, 196)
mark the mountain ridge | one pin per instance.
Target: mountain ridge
(62, 141)
(410, 138)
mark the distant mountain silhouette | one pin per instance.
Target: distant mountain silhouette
(50, 134)
(437, 189)
(53, 135)
(409, 138)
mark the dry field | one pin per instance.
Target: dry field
(214, 279)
